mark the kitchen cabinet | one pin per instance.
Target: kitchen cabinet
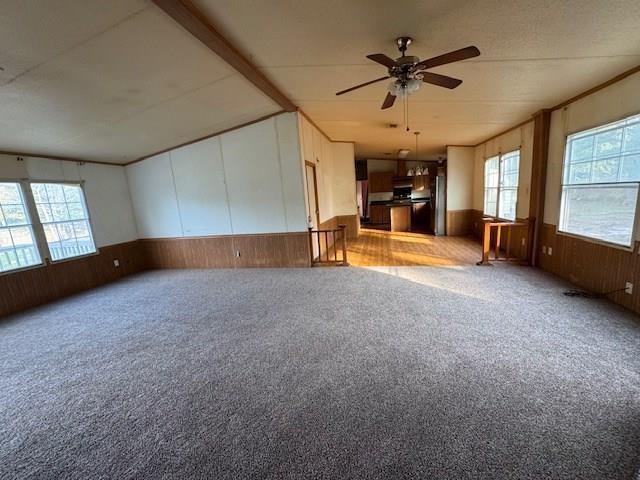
(361, 170)
(380, 182)
(421, 216)
(379, 214)
(420, 182)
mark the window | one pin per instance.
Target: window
(501, 185)
(17, 242)
(491, 175)
(65, 220)
(600, 179)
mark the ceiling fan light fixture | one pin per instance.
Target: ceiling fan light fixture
(400, 89)
(413, 85)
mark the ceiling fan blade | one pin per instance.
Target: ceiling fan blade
(362, 85)
(455, 56)
(388, 101)
(382, 59)
(440, 80)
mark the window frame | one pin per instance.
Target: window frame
(499, 155)
(25, 191)
(37, 226)
(636, 221)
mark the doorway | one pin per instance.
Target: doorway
(313, 212)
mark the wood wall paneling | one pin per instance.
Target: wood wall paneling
(260, 250)
(29, 288)
(541, 126)
(459, 222)
(276, 250)
(596, 267)
(352, 223)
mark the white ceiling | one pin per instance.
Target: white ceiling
(111, 80)
(534, 55)
(114, 80)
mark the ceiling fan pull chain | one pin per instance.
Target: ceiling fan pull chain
(406, 109)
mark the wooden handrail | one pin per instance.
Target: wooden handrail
(490, 224)
(315, 241)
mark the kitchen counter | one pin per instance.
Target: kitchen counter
(399, 203)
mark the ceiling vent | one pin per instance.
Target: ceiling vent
(393, 125)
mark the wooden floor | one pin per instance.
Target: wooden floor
(383, 248)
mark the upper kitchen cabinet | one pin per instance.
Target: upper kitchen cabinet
(380, 182)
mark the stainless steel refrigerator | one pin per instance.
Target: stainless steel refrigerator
(438, 200)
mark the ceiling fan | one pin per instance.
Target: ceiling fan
(409, 71)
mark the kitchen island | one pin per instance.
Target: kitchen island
(401, 215)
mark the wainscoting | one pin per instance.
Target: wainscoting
(35, 286)
(459, 222)
(592, 266)
(38, 285)
(352, 223)
(229, 251)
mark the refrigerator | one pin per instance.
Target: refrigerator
(438, 201)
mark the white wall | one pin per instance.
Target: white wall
(335, 171)
(612, 103)
(344, 179)
(460, 168)
(245, 181)
(105, 187)
(521, 137)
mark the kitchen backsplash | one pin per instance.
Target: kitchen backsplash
(380, 196)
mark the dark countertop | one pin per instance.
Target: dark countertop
(401, 203)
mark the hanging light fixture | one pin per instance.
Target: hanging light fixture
(403, 88)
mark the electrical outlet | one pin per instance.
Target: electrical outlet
(544, 249)
(238, 253)
(116, 263)
(549, 251)
(628, 288)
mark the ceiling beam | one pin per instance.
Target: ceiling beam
(185, 13)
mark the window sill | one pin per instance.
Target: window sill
(69, 259)
(627, 248)
(489, 218)
(47, 263)
(22, 269)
